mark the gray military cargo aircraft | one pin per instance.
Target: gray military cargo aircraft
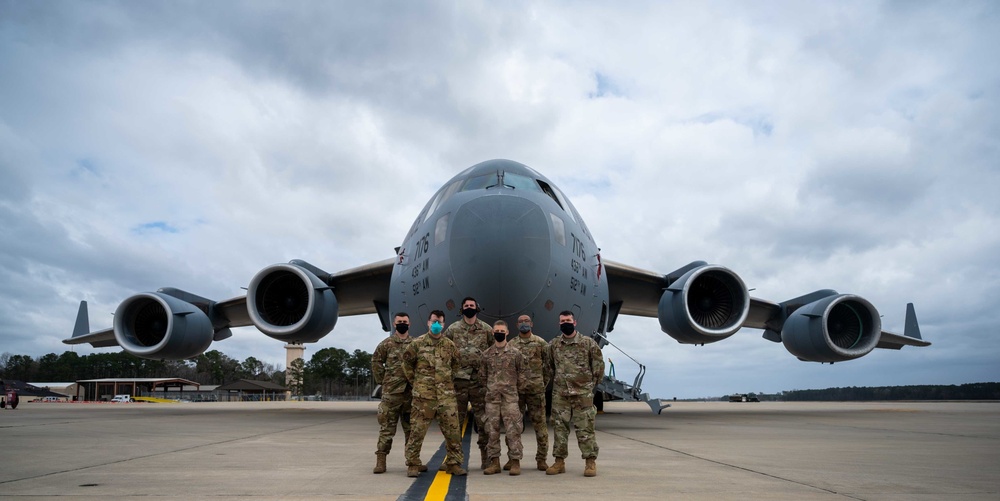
(502, 233)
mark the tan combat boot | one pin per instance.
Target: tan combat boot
(506, 466)
(493, 468)
(542, 465)
(422, 467)
(379, 463)
(456, 469)
(558, 467)
(413, 471)
(591, 469)
(515, 466)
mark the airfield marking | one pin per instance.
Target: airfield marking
(442, 486)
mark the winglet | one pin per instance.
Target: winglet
(82, 326)
(912, 328)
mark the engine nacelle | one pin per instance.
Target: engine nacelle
(160, 327)
(833, 329)
(289, 303)
(707, 304)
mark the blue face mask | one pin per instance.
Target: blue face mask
(436, 328)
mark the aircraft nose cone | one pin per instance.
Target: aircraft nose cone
(500, 252)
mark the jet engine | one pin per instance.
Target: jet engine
(707, 304)
(833, 329)
(289, 303)
(154, 325)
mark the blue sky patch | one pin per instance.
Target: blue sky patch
(154, 227)
(605, 87)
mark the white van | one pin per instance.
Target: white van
(122, 399)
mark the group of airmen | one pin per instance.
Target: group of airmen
(440, 374)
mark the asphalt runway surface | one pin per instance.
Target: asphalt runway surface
(324, 450)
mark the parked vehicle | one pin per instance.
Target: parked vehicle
(8, 396)
(122, 399)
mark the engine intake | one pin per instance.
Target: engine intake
(833, 329)
(707, 304)
(289, 303)
(156, 326)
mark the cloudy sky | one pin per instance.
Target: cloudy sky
(846, 145)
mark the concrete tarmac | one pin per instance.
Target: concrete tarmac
(321, 450)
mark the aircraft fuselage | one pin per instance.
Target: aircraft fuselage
(504, 234)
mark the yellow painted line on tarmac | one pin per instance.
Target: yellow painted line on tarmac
(439, 487)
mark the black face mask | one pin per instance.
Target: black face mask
(402, 328)
(469, 312)
(567, 328)
(499, 336)
(524, 328)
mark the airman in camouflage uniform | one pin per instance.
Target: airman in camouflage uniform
(472, 337)
(387, 368)
(503, 372)
(537, 374)
(578, 366)
(429, 364)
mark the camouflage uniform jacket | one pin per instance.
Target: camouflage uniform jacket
(503, 371)
(537, 369)
(577, 363)
(387, 364)
(472, 341)
(429, 365)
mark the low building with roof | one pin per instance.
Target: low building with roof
(251, 390)
(105, 389)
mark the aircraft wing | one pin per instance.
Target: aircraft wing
(358, 291)
(97, 339)
(639, 293)
(635, 291)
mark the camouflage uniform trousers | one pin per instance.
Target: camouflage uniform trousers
(507, 409)
(423, 411)
(391, 410)
(533, 406)
(580, 411)
(474, 391)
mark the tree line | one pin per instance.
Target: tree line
(970, 391)
(329, 372)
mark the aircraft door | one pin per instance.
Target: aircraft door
(421, 321)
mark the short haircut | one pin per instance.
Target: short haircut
(401, 314)
(567, 313)
(499, 323)
(436, 313)
(470, 298)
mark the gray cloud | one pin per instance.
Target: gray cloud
(189, 144)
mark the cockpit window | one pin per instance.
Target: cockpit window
(548, 191)
(519, 182)
(565, 204)
(480, 182)
(442, 197)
